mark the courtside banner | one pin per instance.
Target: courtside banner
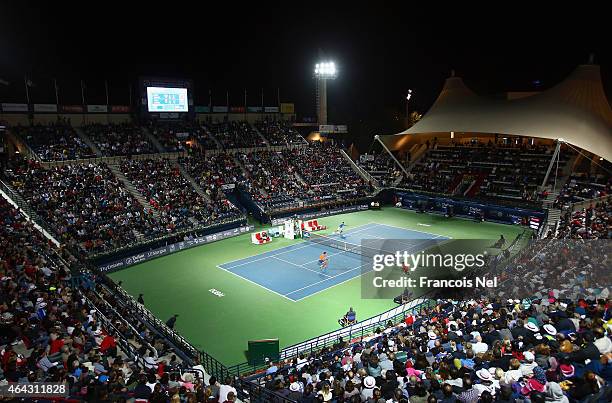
(271, 109)
(254, 109)
(45, 108)
(97, 108)
(219, 109)
(120, 109)
(175, 247)
(72, 108)
(10, 107)
(287, 108)
(202, 109)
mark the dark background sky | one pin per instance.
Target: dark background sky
(380, 51)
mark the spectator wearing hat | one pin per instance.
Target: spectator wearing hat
(368, 388)
(485, 382)
(295, 391)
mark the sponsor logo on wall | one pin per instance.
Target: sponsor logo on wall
(142, 257)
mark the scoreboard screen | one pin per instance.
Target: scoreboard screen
(165, 99)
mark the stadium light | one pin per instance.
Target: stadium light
(324, 70)
(409, 95)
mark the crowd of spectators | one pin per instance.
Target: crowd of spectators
(85, 205)
(171, 194)
(507, 171)
(471, 351)
(119, 139)
(381, 166)
(327, 173)
(302, 175)
(279, 133)
(235, 134)
(214, 173)
(53, 329)
(53, 142)
(592, 222)
(582, 187)
(272, 181)
(171, 135)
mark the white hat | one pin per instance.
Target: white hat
(369, 382)
(531, 326)
(294, 387)
(432, 335)
(529, 356)
(483, 374)
(391, 343)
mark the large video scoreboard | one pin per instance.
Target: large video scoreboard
(166, 99)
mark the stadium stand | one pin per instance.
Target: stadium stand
(171, 194)
(583, 187)
(272, 181)
(174, 136)
(593, 222)
(326, 172)
(54, 142)
(483, 170)
(213, 173)
(279, 133)
(83, 204)
(381, 166)
(54, 328)
(119, 139)
(235, 134)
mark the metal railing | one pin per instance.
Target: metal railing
(587, 203)
(357, 331)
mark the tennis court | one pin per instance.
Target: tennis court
(293, 271)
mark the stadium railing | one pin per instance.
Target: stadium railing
(589, 202)
(350, 334)
(359, 330)
(246, 389)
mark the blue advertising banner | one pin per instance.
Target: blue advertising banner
(175, 247)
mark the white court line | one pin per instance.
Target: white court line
(332, 286)
(349, 279)
(300, 266)
(319, 282)
(416, 230)
(289, 248)
(257, 284)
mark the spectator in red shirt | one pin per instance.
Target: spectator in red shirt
(55, 347)
(109, 346)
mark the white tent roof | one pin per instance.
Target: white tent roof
(576, 110)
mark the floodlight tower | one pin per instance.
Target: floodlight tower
(323, 71)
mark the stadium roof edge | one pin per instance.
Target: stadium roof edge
(575, 110)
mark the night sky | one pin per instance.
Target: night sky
(380, 52)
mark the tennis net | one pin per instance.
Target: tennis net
(344, 246)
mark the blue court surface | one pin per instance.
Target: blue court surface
(293, 271)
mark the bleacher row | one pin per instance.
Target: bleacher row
(482, 170)
(59, 324)
(59, 142)
(489, 170)
(98, 207)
